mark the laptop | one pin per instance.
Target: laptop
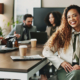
(4, 49)
(40, 36)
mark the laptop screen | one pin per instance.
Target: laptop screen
(40, 36)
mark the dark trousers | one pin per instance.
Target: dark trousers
(46, 70)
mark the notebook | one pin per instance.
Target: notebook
(25, 58)
(40, 36)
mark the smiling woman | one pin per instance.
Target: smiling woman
(73, 18)
(66, 42)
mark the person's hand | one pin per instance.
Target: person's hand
(17, 35)
(66, 66)
(76, 67)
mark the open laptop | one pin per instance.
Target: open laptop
(40, 36)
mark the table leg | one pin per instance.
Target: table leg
(25, 78)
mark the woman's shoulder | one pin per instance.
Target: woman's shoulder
(48, 27)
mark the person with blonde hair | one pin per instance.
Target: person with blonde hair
(66, 42)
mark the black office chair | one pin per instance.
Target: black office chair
(48, 70)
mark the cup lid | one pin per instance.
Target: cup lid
(33, 40)
(23, 46)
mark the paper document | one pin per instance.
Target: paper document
(26, 41)
(32, 57)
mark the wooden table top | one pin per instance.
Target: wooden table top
(7, 64)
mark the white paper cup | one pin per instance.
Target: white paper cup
(33, 42)
(23, 50)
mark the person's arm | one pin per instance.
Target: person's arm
(11, 33)
(50, 54)
(17, 35)
(57, 61)
(76, 67)
(48, 29)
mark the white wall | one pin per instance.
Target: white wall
(59, 3)
(8, 9)
(8, 13)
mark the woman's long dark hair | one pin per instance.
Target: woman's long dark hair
(57, 16)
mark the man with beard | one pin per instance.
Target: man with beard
(22, 31)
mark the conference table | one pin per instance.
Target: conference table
(22, 70)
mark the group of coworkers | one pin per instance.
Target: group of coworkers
(64, 39)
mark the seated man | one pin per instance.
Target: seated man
(22, 31)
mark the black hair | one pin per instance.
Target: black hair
(57, 16)
(72, 7)
(26, 16)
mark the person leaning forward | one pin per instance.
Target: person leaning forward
(22, 31)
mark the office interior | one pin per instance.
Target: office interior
(9, 10)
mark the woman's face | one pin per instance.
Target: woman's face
(73, 18)
(51, 19)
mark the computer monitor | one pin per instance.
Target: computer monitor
(40, 36)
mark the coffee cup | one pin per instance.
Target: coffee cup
(33, 42)
(23, 50)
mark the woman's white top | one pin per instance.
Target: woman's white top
(62, 56)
